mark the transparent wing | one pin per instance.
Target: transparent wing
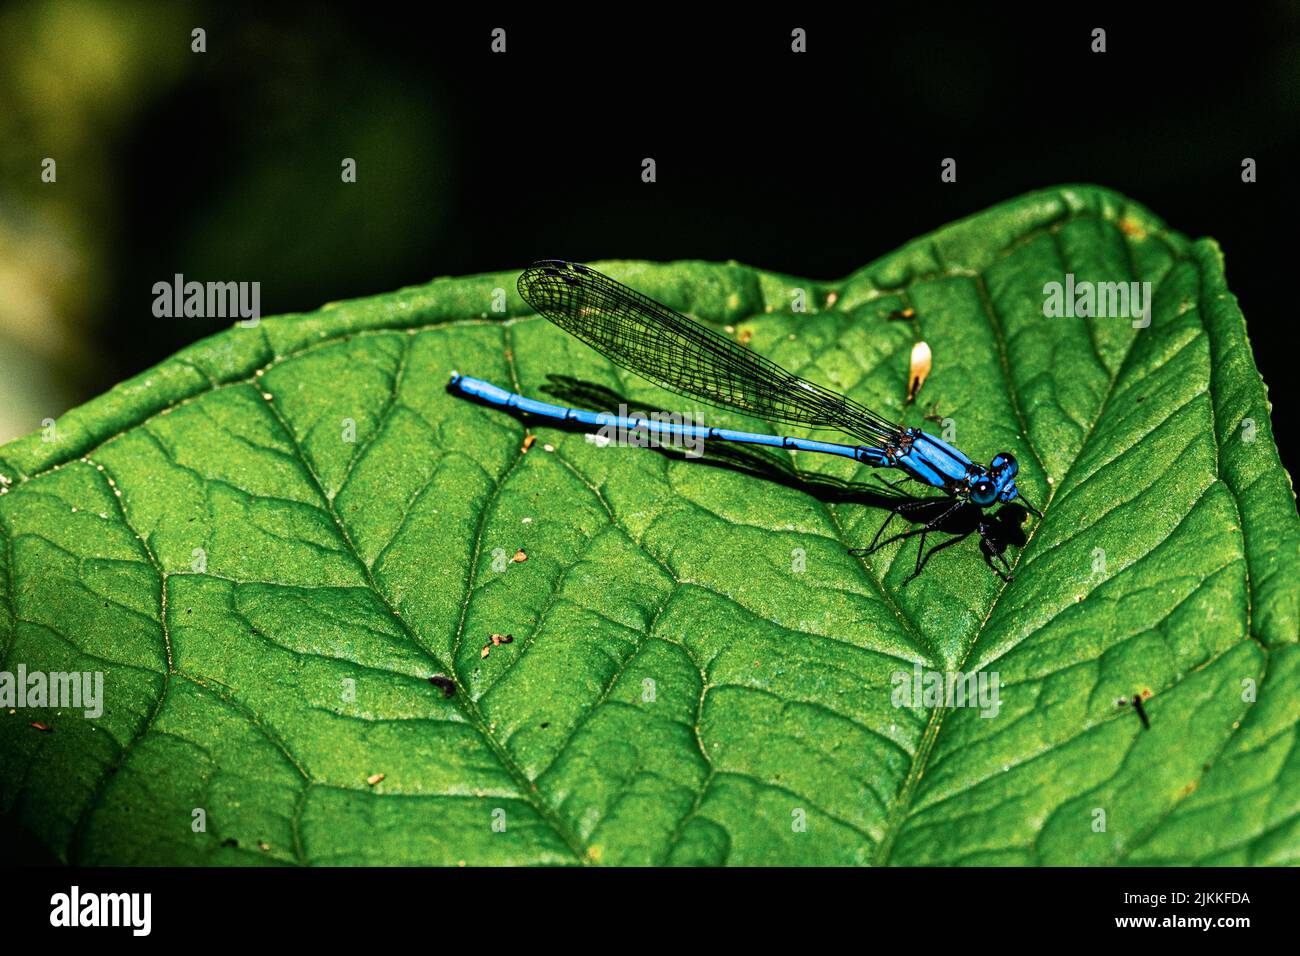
(645, 337)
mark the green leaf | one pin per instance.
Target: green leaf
(700, 673)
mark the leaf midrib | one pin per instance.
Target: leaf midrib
(899, 814)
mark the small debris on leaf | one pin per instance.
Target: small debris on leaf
(374, 778)
(528, 442)
(43, 728)
(519, 557)
(1137, 705)
(921, 362)
(445, 684)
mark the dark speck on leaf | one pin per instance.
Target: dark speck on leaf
(1136, 701)
(446, 684)
(230, 841)
(546, 724)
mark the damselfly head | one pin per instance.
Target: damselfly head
(983, 491)
(1008, 492)
(1004, 462)
(994, 483)
(1003, 469)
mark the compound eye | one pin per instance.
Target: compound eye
(1004, 464)
(982, 492)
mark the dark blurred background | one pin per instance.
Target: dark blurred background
(225, 164)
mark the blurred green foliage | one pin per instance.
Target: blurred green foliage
(73, 76)
(223, 164)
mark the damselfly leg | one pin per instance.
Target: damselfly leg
(925, 529)
(993, 547)
(910, 505)
(1022, 500)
